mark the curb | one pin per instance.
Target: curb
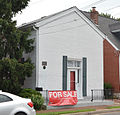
(95, 112)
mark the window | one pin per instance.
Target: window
(4, 98)
(70, 63)
(73, 63)
(78, 63)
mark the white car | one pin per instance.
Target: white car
(14, 105)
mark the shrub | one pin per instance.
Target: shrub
(107, 86)
(37, 101)
(26, 93)
(35, 96)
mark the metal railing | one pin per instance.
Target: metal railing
(102, 94)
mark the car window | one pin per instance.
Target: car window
(4, 98)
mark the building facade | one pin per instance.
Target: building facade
(68, 53)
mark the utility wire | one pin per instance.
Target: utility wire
(95, 3)
(113, 8)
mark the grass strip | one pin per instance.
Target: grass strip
(66, 112)
(112, 107)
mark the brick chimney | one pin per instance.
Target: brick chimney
(94, 15)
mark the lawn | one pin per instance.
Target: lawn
(113, 107)
(66, 112)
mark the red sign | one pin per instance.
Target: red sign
(59, 98)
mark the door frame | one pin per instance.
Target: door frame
(78, 86)
(73, 80)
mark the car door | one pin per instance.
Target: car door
(6, 105)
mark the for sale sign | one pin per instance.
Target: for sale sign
(60, 98)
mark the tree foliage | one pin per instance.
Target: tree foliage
(107, 15)
(13, 43)
(12, 74)
(9, 8)
(118, 19)
(107, 86)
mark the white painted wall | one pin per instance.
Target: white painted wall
(69, 36)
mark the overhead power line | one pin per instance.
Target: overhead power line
(113, 8)
(95, 3)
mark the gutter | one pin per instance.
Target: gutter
(37, 55)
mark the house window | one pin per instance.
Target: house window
(73, 63)
(70, 64)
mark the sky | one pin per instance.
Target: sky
(40, 8)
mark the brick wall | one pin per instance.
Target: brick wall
(111, 65)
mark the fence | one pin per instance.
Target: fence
(98, 94)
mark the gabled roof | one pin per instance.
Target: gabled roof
(103, 27)
(47, 19)
(29, 24)
(115, 28)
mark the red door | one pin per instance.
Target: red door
(72, 80)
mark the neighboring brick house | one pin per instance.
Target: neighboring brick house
(111, 28)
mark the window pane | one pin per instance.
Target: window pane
(78, 63)
(4, 98)
(73, 63)
(70, 63)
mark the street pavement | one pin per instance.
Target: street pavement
(109, 113)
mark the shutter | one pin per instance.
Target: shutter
(64, 73)
(84, 75)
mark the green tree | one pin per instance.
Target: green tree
(118, 19)
(108, 16)
(105, 15)
(13, 42)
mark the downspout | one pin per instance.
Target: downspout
(37, 55)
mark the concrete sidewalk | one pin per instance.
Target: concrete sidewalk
(98, 108)
(84, 103)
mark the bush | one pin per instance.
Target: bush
(107, 86)
(38, 101)
(26, 93)
(35, 96)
